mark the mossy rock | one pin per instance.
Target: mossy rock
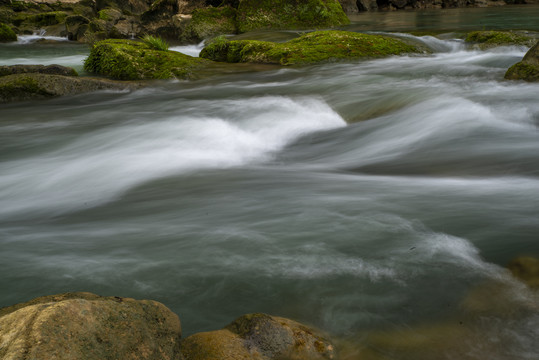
(310, 48)
(39, 69)
(211, 21)
(109, 14)
(289, 14)
(133, 60)
(7, 34)
(32, 86)
(48, 18)
(160, 9)
(489, 39)
(528, 68)
(523, 71)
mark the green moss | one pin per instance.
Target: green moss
(523, 71)
(132, 60)
(289, 14)
(48, 18)
(487, 39)
(103, 14)
(211, 21)
(155, 42)
(21, 86)
(310, 48)
(7, 34)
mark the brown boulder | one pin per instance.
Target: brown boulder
(87, 326)
(258, 337)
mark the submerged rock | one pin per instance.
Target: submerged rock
(30, 86)
(133, 60)
(259, 336)
(526, 268)
(528, 68)
(7, 34)
(310, 48)
(289, 14)
(87, 326)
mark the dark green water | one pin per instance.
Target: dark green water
(356, 197)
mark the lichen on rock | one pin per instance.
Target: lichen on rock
(310, 48)
(133, 60)
(289, 14)
(90, 327)
(259, 337)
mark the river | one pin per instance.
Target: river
(376, 196)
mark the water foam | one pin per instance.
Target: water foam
(191, 50)
(39, 36)
(97, 166)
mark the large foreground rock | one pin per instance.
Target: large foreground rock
(19, 87)
(528, 68)
(259, 337)
(86, 326)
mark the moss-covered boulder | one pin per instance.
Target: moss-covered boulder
(32, 86)
(7, 34)
(259, 337)
(134, 60)
(489, 39)
(210, 21)
(90, 327)
(310, 48)
(289, 14)
(528, 68)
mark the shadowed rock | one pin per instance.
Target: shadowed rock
(41, 69)
(19, 87)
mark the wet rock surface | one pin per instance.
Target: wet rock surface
(87, 326)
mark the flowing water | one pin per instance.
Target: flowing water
(369, 197)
